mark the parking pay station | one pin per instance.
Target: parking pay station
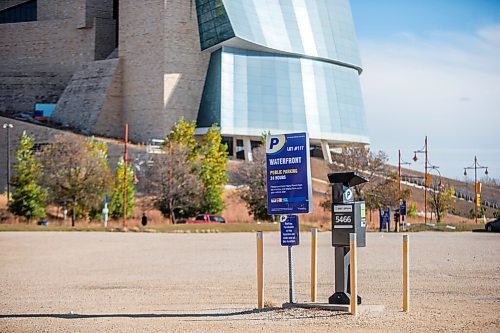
(348, 216)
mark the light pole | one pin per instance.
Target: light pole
(400, 162)
(415, 158)
(8, 126)
(427, 165)
(477, 201)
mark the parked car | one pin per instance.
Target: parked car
(493, 225)
(207, 218)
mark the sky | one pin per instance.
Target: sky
(432, 68)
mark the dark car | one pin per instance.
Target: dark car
(493, 225)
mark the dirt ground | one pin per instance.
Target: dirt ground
(138, 282)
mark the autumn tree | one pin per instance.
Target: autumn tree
(116, 203)
(171, 182)
(182, 134)
(253, 177)
(385, 192)
(382, 188)
(77, 173)
(206, 159)
(28, 197)
(441, 201)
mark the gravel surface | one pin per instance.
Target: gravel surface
(138, 282)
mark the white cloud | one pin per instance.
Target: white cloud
(445, 85)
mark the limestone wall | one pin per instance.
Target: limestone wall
(20, 90)
(62, 9)
(84, 98)
(45, 46)
(4, 4)
(163, 68)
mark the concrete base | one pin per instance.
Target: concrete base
(363, 308)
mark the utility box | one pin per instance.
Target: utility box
(347, 219)
(348, 216)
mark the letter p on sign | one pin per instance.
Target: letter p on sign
(274, 143)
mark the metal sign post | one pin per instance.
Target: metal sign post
(289, 230)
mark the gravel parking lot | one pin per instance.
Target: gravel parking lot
(140, 282)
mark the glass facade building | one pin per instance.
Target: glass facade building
(282, 66)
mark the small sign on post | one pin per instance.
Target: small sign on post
(289, 227)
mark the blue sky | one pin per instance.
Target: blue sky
(432, 68)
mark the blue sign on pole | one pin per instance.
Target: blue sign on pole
(289, 189)
(402, 208)
(289, 227)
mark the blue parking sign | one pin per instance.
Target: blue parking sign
(289, 229)
(289, 189)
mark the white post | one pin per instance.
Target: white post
(105, 213)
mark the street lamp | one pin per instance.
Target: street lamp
(427, 166)
(477, 201)
(8, 126)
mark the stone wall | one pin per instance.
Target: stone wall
(163, 67)
(84, 98)
(39, 58)
(4, 4)
(185, 65)
(45, 46)
(20, 90)
(62, 10)
(110, 121)
(105, 37)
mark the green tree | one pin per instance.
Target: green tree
(212, 171)
(412, 211)
(116, 203)
(28, 197)
(441, 201)
(77, 173)
(481, 212)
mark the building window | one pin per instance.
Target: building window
(24, 12)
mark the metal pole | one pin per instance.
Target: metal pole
(396, 227)
(353, 270)
(260, 270)
(475, 188)
(291, 282)
(406, 273)
(125, 158)
(8, 163)
(314, 263)
(425, 183)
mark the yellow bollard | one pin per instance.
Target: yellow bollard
(314, 263)
(354, 274)
(260, 270)
(406, 273)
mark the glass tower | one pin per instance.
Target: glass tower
(282, 66)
